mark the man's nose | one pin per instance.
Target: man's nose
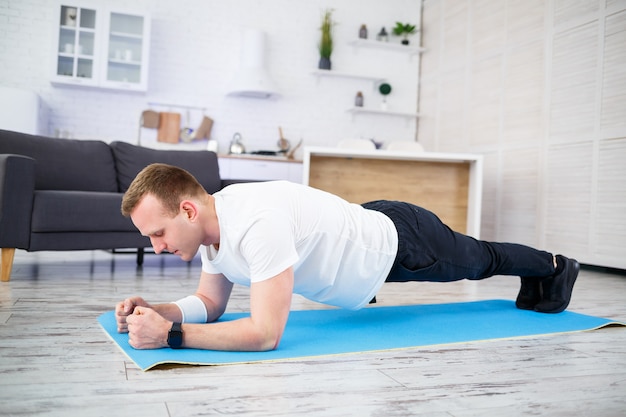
(158, 245)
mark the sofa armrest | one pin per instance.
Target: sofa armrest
(17, 186)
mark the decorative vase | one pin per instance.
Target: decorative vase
(324, 63)
(363, 32)
(382, 35)
(358, 100)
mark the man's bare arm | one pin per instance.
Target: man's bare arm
(270, 301)
(213, 290)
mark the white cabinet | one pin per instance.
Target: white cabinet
(76, 46)
(102, 48)
(127, 50)
(23, 111)
(259, 168)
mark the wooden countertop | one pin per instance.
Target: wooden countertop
(255, 157)
(397, 155)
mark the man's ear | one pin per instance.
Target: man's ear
(188, 209)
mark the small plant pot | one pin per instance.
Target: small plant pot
(324, 63)
(405, 41)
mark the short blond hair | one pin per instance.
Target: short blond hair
(168, 183)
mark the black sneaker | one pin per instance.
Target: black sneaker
(529, 294)
(557, 289)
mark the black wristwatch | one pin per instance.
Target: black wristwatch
(175, 336)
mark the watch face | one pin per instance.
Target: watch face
(175, 336)
(175, 340)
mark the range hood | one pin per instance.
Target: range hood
(252, 78)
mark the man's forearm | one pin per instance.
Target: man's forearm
(237, 335)
(169, 311)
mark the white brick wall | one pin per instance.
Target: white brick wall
(194, 51)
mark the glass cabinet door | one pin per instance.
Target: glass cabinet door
(126, 49)
(77, 44)
(99, 47)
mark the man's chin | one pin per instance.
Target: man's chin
(184, 257)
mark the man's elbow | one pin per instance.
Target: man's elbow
(268, 341)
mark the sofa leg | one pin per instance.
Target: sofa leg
(7, 263)
(140, 253)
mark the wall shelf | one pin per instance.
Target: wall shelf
(398, 47)
(338, 74)
(364, 110)
(408, 50)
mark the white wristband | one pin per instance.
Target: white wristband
(192, 309)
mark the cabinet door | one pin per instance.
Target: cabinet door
(294, 172)
(77, 46)
(261, 170)
(102, 48)
(242, 169)
(126, 48)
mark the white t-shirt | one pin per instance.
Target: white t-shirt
(341, 252)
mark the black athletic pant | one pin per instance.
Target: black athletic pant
(428, 250)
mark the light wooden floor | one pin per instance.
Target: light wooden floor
(55, 360)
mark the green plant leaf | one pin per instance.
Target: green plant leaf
(325, 45)
(404, 29)
(398, 29)
(384, 89)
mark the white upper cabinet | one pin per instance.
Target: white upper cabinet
(127, 51)
(101, 48)
(76, 46)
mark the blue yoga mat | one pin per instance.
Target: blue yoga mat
(330, 332)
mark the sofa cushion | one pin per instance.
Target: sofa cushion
(64, 164)
(130, 159)
(79, 211)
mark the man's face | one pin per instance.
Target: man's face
(175, 235)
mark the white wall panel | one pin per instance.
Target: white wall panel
(491, 203)
(452, 97)
(613, 116)
(455, 34)
(518, 209)
(569, 199)
(525, 21)
(609, 233)
(429, 99)
(574, 83)
(485, 101)
(488, 27)
(568, 11)
(523, 95)
(545, 102)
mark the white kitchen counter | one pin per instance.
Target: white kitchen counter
(449, 184)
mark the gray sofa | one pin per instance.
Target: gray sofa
(63, 194)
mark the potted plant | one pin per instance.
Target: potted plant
(384, 89)
(404, 30)
(325, 45)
